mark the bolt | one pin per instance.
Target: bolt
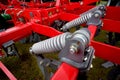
(41, 62)
(88, 50)
(73, 49)
(85, 59)
(48, 64)
(61, 29)
(93, 56)
(91, 66)
(102, 7)
(30, 50)
(96, 15)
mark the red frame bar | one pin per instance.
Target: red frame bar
(107, 52)
(87, 2)
(7, 72)
(15, 33)
(92, 29)
(45, 30)
(66, 72)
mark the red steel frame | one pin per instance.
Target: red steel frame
(43, 17)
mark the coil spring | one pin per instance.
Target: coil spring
(84, 18)
(57, 43)
(50, 45)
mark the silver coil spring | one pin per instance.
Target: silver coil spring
(58, 43)
(82, 19)
(50, 45)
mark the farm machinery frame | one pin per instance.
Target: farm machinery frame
(36, 16)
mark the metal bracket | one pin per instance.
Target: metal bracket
(95, 19)
(85, 64)
(10, 48)
(45, 63)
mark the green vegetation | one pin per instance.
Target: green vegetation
(24, 67)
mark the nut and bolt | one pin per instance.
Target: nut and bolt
(41, 62)
(91, 66)
(88, 50)
(85, 59)
(96, 15)
(73, 49)
(47, 64)
(102, 7)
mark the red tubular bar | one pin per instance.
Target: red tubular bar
(111, 25)
(7, 72)
(92, 29)
(19, 32)
(104, 51)
(15, 33)
(113, 13)
(66, 72)
(107, 52)
(57, 3)
(86, 2)
(45, 30)
(68, 16)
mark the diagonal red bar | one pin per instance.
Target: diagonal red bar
(66, 72)
(7, 72)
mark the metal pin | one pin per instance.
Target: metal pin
(73, 49)
(96, 15)
(41, 62)
(93, 56)
(91, 66)
(85, 59)
(48, 64)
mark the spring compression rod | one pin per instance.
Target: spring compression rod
(80, 20)
(57, 43)
(83, 17)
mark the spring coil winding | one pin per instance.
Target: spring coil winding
(50, 45)
(82, 19)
